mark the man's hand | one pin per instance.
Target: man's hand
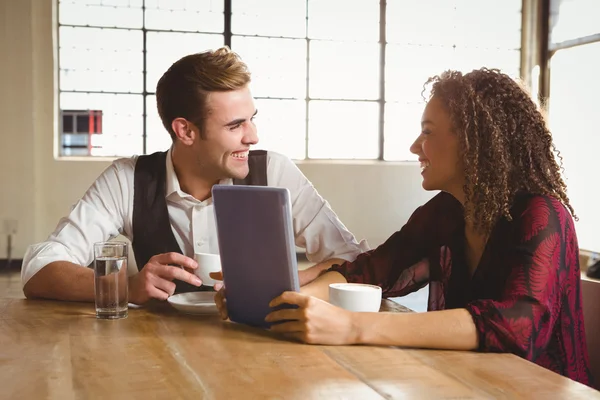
(220, 299)
(155, 280)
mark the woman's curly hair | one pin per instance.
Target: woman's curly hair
(505, 144)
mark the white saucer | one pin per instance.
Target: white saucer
(194, 302)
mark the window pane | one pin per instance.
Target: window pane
(402, 126)
(164, 48)
(281, 126)
(409, 66)
(118, 14)
(414, 22)
(468, 59)
(344, 20)
(278, 66)
(100, 59)
(573, 106)
(344, 70)
(121, 121)
(487, 23)
(116, 3)
(157, 137)
(269, 18)
(574, 18)
(460, 34)
(182, 15)
(343, 129)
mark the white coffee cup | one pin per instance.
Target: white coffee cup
(207, 263)
(355, 296)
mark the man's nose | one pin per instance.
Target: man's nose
(251, 134)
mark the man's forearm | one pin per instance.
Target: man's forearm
(61, 280)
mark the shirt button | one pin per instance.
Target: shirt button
(199, 243)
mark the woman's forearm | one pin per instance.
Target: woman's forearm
(310, 274)
(448, 329)
(319, 288)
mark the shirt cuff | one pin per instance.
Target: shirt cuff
(39, 255)
(479, 321)
(340, 268)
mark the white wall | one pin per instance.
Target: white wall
(372, 199)
(17, 131)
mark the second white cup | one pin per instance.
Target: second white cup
(207, 263)
(355, 296)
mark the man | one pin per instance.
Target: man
(162, 201)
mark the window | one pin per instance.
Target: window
(111, 55)
(574, 46)
(573, 19)
(332, 79)
(77, 127)
(462, 35)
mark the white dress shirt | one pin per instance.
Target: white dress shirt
(106, 210)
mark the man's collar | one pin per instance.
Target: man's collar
(172, 181)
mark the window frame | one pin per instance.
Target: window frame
(227, 39)
(546, 48)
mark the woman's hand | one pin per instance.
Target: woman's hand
(314, 321)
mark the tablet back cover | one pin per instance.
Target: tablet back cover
(256, 244)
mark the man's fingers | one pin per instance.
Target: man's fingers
(165, 285)
(175, 258)
(220, 301)
(219, 277)
(170, 272)
(156, 293)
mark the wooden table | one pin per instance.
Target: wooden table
(59, 350)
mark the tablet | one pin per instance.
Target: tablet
(256, 244)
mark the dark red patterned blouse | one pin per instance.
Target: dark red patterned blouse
(525, 295)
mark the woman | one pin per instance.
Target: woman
(497, 245)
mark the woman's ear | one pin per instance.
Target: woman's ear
(184, 130)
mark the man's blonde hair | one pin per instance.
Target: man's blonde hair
(183, 90)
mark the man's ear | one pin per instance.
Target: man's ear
(184, 130)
